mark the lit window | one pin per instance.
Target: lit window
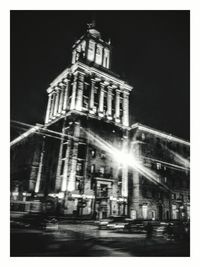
(93, 153)
(158, 166)
(143, 136)
(102, 170)
(174, 196)
(79, 166)
(103, 156)
(91, 50)
(92, 168)
(98, 51)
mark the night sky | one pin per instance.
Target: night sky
(150, 51)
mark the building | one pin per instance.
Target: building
(87, 157)
(160, 189)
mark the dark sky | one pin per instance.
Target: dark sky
(150, 50)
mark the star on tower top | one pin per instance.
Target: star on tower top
(91, 25)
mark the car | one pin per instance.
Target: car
(113, 223)
(135, 226)
(102, 224)
(40, 222)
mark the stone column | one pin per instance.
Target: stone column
(72, 177)
(48, 108)
(58, 173)
(134, 193)
(135, 211)
(56, 102)
(125, 118)
(125, 170)
(66, 90)
(91, 105)
(109, 103)
(60, 104)
(101, 99)
(65, 173)
(39, 175)
(73, 98)
(117, 107)
(52, 105)
(80, 88)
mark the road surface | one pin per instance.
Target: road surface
(84, 240)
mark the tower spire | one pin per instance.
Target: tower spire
(91, 25)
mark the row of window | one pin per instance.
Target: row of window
(179, 197)
(162, 143)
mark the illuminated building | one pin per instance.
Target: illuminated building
(160, 191)
(88, 158)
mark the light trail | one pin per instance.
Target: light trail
(122, 157)
(184, 163)
(24, 135)
(41, 130)
(179, 159)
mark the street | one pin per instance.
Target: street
(85, 240)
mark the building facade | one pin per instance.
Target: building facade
(160, 189)
(84, 143)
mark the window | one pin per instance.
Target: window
(91, 50)
(62, 166)
(181, 197)
(144, 192)
(165, 179)
(174, 196)
(93, 153)
(64, 150)
(158, 166)
(92, 168)
(81, 151)
(102, 170)
(148, 164)
(144, 211)
(79, 168)
(149, 194)
(111, 171)
(143, 136)
(98, 51)
(78, 184)
(103, 156)
(98, 58)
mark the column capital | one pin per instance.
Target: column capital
(65, 80)
(110, 89)
(102, 84)
(56, 88)
(75, 75)
(93, 80)
(118, 91)
(126, 93)
(61, 84)
(50, 94)
(81, 74)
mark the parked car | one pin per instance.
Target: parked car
(40, 222)
(113, 223)
(160, 229)
(135, 226)
(102, 224)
